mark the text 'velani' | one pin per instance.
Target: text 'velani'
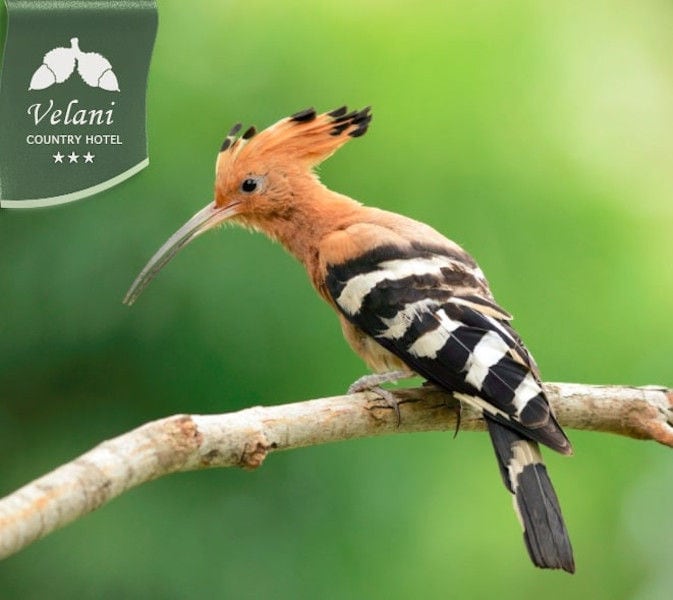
(71, 114)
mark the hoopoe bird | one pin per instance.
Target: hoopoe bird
(410, 301)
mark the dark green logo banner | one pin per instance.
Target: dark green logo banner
(72, 97)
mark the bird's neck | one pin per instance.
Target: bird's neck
(311, 221)
(317, 212)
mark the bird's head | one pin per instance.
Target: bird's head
(257, 176)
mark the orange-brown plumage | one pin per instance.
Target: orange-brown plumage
(407, 297)
(290, 204)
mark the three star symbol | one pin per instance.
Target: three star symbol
(73, 158)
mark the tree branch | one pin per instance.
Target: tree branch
(243, 439)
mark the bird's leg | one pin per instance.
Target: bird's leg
(374, 380)
(372, 383)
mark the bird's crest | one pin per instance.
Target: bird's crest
(305, 137)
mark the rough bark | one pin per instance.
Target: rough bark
(244, 438)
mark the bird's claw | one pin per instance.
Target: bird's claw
(372, 383)
(390, 401)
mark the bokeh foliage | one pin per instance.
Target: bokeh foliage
(538, 135)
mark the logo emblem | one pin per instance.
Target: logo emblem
(59, 64)
(72, 97)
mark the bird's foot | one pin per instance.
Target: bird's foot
(372, 383)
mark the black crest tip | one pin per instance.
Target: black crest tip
(355, 122)
(304, 116)
(361, 130)
(225, 144)
(235, 129)
(345, 117)
(364, 114)
(249, 132)
(338, 112)
(339, 129)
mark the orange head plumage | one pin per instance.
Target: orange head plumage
(266, 181)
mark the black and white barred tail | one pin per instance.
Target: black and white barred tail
(535, 501)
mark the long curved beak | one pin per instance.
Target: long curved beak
(207, 218)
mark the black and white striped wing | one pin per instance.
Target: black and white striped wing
(432, 308)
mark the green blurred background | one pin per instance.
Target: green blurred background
(538, 135)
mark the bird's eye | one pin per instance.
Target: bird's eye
(249, 185)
